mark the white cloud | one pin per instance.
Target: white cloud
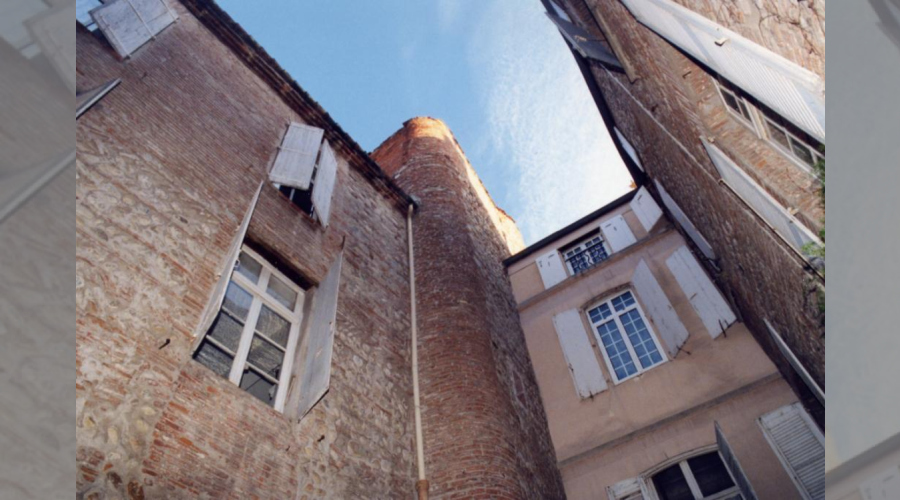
(541, 115)
(448, 14)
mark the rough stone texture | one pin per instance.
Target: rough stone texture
(761, 274)
(485, 428)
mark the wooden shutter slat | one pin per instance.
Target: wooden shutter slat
(799, 446)
(551, 269)
(129, 24)
(703, 295)
(660, 310)
(326, 176)
(297, 155)
(579, 354)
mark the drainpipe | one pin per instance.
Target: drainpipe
(422, 483)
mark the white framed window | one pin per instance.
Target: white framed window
(586, 254)
(736, 104)
(791, 141)
(703, 476)
(253, 339)
(305, 170)
(629, 345)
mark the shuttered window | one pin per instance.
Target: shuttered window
(703, 295)
(579, 354)
(645, 208)
(799, 445)
(585, 254)
(585, 43)
(551, 269)
(305, 170)
(660, 310)
(129, 24)
(629, 149)
(617, 233)
(686, 224)
(793, 92)
(626, 339)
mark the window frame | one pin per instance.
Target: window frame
(260, 297)
(581, 247)
(682, 461)
(752, 120)
(767, 122)
(628, 345)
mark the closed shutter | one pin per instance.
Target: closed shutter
(762, 203)
(644, 206)
(128, 24)
(53, 32)
(793, 92)
(629, 489)
(585, 43)
(320, 342)
(617, 233)
(660, 310)
(297, 155)
(326, 176)
(579, 354)
(795, 363)
(226, 268)
(734, 467)
(882, 486)
(629, 149)
(685, 222)
(701, 292)
(799, 445)
(551, 268)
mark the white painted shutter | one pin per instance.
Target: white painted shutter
(685, 222)
(795, 363)
(584, 42)
(551, 268)
(629, 149)
(799, 445)
(660, 310)
(297, 155)
(326, 176)
(731, 462)
(579, 353)
(762, 203)
(629, 489)
(320, 343)
(53, 31)
(129, 24)
(226, 269)
(705, 298)
(617, 233)
(792, 91)
(882, 486)
(646, 209)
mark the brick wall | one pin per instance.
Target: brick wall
(485, 429)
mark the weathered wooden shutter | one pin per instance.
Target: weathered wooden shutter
(617, 233)
(644, 206)
(705, 298)
(53, 32)
(882, 486)
(629, 149)
(551, 268)
(129, 24)
(584, 42)
(226, 268)
(790, 90)
(685, 222)
(762, 203)
(731, 462)
(795, 363)
(320, 340)
(800, 446)
(629, 489)
(297, 155)
(660, 310)
(325, 180)
(579, 354)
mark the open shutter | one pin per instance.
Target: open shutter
(579, 353)
(700, 290)
(53, 32)
(584, 42)
(795, 363)
(325, 179)
(225, 270)
(646, 209)
(629, 149)
(320, 342)
(297, 155)
(762, 203)
(799, 445)
(789, 89)
(128, 24)
(551, 268)
(686, 223)
(629, 489)
(882, 486)
(660, 310)
(731, 462)
(617, 233)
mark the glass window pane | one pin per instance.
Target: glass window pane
(265, 356)
(731, 101)
(777, 134)
(259, 387)
(248, 267)
(281, 292)
(640, 338)
(237, 301)
(273, 326)
(802, 151)
(744, 111)
(599, 313)
(671, 485)
(616, 350)
(214, 358)
(710, 473)
(227, 331)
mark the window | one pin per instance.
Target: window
(253, 338)
(735, 103)
(800, 447)
(305, 170)
(586, 254)
(699, 477)
(791, 141)
(127, 24)
(629, 346)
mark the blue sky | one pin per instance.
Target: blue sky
(496, 71)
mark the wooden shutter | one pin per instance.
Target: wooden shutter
(762, 203)
(551, 268)
(617, 233)
(799, 445)
(129, 24)
(320, 340)
(644, 206)
(629, 149)
(629, 489)
(701, 292)
(325, 180)
(882, 486)
(297, 155)
(685, 222)
(579, 354)
(53, 32)
(660, 310)
(734, 467)
(790, 90)
(584, 42)
(226, 268)
(795, 363)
